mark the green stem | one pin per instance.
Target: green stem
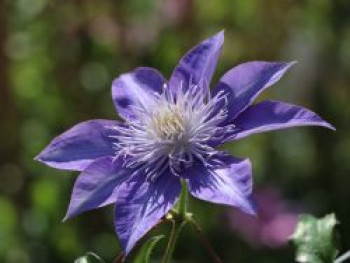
(183, 201)
(175, 231)
(214, 257)
(178, 222)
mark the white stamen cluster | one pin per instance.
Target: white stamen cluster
(172, 131)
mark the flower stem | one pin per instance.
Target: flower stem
(343, 257)
(178, 221)
(183, 201)
(175, 231)
(214, 257)
(119, 258)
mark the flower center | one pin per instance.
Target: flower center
(173, 132)
(168, 125)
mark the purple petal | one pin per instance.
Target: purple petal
(274, 115)
(135, 89)
(141, 204)
(76, 148)
(97, 186)
(228, 185)
(198, 65)
(245, 82)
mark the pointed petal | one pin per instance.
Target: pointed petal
(228, 185)
(245, 82)
(136, 89)
(274, 115)
(141, 204)
(76, 148)
(198, 65)
(97, 186)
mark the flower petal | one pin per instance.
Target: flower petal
(198, 65)
(274, 115)
(229, 185)
(97, 186)
(76, 148)
(246, 81)
(141, 204)
(135, 89)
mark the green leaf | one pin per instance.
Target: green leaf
(89, 257)
(144, 253)
(315, 239)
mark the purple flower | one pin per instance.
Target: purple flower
(275, 221)
(170, 132)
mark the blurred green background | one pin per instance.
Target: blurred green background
(57, 62)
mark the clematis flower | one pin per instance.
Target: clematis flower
(170, 132)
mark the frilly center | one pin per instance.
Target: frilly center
(168, 125)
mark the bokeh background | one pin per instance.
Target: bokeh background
(57, 62)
